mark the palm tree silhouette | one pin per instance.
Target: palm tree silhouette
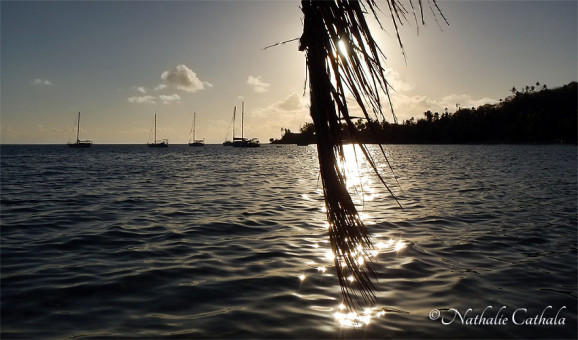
(342, 54)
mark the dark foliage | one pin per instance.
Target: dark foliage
(342, 57)
(545, 116)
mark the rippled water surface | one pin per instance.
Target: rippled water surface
(125, 241)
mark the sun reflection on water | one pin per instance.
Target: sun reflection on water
(360, 182)
(343, 316)
(355, 319)
(358, 178)
(399, 245)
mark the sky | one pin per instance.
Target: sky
(121, 62)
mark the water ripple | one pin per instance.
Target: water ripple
(127, 242)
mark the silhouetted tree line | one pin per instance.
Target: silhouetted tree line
(534, 114)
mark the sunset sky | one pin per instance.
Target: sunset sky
(120, 62)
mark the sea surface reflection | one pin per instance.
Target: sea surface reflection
(124, 241)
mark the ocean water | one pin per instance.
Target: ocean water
(125, 241)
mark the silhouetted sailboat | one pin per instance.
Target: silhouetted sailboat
(161, 143)
(79, 143)
(195, 142)
(229, 142)
(245, 142)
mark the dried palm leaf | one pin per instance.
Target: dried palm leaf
(329, 27)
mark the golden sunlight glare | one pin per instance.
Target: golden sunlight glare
(342, 48)
(399, 245)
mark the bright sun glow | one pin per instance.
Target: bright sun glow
(342, 47)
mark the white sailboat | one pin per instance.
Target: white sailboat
(195, 142)
(79, 143)
(228, 142)
(245, 142)
(161, 143)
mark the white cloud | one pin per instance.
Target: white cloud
(291, 104)
(141, 89)
(160, 87)
(465, 101)
(258, 85)
(185, 79)
(142, 99)
(39, 81)
(167, 99)
(396, 83)
(406, 106)
(291, 112)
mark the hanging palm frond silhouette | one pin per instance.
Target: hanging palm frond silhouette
(343, 56)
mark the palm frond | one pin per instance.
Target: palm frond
(328, 25)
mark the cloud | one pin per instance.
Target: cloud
(141, 89)
(258, 85)
(50, 131)
(160, 87)
(465, 101)
(406, 106)
(291, 112)
(185, 79)
(173, 98)
(165, 99)
(39, 81)
(142, 100)
(396, 83)
(292, 103)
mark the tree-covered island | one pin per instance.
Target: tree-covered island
(532, 114)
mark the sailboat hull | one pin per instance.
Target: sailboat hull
(246, 143)
(158, 145)
(80, 145)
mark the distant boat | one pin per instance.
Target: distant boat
(229, 142)
(195, 142)
(161, 143)
(245, 142)
(80, 143)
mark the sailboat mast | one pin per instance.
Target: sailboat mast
(155, 128)
(194, 125)
(78, 128)
(234, 114)
(191, 131)
(242, 121)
